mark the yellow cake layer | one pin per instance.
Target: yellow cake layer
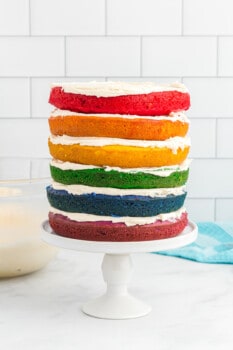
(118, 155)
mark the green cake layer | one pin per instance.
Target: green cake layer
(99, 177)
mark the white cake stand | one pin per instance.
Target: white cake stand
(117, 303)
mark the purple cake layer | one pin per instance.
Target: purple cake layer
(116, 232)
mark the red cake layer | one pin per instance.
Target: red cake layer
(116, 232)
(155, 103)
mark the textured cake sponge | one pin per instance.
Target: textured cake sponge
(155, 103)
(117, 127)
(125, 114)
(107, 205)
(118, 156)
(116, 232)
(99, 177)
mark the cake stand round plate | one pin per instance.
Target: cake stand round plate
(117, 303)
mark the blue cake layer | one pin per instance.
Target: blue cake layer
(107, 205)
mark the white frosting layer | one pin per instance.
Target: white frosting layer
(127, 220)
(110, 89)
(173, 143)
(174, 116)
(154, 192)
(159, 171)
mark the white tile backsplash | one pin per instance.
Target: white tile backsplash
(208, 17)
(200, 209)
(211, 178)
(16, 90)
(40, 88)
(225, 56)
(14, 168)
(157, 80)
(31, 56)
(224, 209)
(40, 168)
(158, 40)
(103, 56)
(24, 138)
(203, 138)
(210, 97)
(68, 17)
(179, 56)
(127, 17)
(225, 139)
(14, 19)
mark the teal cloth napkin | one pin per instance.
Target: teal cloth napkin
(214, 244)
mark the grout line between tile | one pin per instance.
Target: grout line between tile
(30, 97)
(106, 18)
(141, 56)
(116, 35)
(119, 76)
(30, 169)
(217, 56)
(65, 56)
(29, 18)
(22, 118)
(182, 17)
(216, 138)
(215, 209)
(212, 198)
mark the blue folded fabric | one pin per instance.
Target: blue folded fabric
(214, 244)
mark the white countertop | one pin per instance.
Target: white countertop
(192, 306)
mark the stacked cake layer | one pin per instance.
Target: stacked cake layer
(119, 160)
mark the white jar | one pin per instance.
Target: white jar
(23, 207)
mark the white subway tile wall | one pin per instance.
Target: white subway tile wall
(67, 17)
(103, 56)
(17, 90)
(225, 66)
(159, 40)
(208, 17)
(224, 209)
(24, 138)
(185, 56)
(31, 56)
(14, 17)
(148, 17)
(225, 139)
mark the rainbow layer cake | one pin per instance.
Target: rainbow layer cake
(119, 164)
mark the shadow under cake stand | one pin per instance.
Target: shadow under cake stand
(117, 303)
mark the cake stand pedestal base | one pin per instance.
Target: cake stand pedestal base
(117, 303)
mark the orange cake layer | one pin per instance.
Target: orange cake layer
(118, 155)
(116, 127)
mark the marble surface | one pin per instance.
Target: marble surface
(192, 306)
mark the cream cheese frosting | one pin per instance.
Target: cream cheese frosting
(159, 171)
(127, 220)
(174, 143)
(112, 89)
(173, 116)
(110, 191)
